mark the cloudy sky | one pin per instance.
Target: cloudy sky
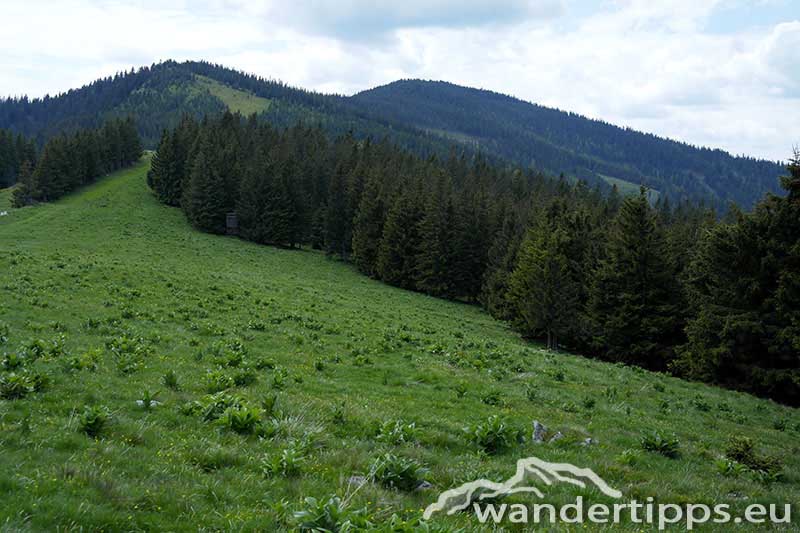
(721, 73)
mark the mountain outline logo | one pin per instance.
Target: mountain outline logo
(457, 499)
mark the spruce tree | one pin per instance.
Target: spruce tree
(502, 258)
(632, 300)
(368, 227)
(542, 287)
(435, 258)
(744, 285)
(26, 190)
(204, 201)
(400, 243)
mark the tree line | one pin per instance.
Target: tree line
(16, 151)
(69, 161)
(666, 287)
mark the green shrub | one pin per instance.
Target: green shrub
(86, 361)
(700, 404)
(93, 420)
(397, 473)
(338, 416)
(331, 515)
(492, 398)
(531, 393)
(742, 450)
(397, 432)
(14, 386)
(12, 361)
(269, 405)
(659, 443)
(494, 435)
(212, 406)
(244, 377)
(285, 463)
(241, 419)
(170, 380)
(148, 400)
(218, 381)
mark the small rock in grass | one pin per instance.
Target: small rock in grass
(538, 431)
(357, 480)
(557, 436)
(424, 486)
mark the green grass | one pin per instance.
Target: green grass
(5, 198)
(626, 188)
(244, 102)
(342, 353)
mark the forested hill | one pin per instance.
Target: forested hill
(157, 97)
(426, 117)
(559, 142)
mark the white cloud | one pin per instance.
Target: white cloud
(651, 64)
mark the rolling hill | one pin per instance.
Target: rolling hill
(425, 116)
(158, 378)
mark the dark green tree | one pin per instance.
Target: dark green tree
(632, 303)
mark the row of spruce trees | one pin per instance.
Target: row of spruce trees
(669, 288)
(15, 152)
(69, 161)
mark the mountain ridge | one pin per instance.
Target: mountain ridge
(427, 117)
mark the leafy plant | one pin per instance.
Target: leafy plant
(397, 432)
(218, 381)
(170, 380)
(241, 419)
(659, 443)
(148, 400)
(531, 393)
(331, 515)
(14, 386)
(93, 420)
(269, 405)
(492, 398)
(12, 361)
(493, 436)
(338, 416)
(742, 450)
(85, 361)
(285, 463)
(398, 473)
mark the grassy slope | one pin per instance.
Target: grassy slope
(110, 261)
(626, 188)
(236, 100)
(5, 198)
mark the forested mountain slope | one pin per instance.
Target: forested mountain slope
(559, 142)
(426, 117)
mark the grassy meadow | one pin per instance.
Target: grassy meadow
(180, 381)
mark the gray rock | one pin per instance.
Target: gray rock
(357, 480)
(588, 441)
(424, 486)
(538, 431)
